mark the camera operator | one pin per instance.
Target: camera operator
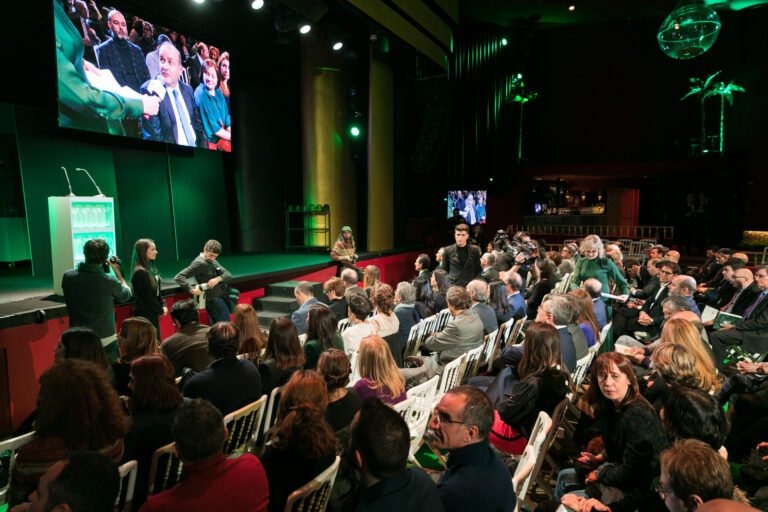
(90, 292)
(516, 254)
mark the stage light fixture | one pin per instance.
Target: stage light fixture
(571, 8)
(305, 29)
(504, 41)
(338, 45)
(689, 30)
(257, 4)
(199, 1)
(355, 131)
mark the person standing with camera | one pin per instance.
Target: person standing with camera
(344, 252)
(90, 292)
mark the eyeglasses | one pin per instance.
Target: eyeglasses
(663, 491)
(666, 272)
(761, 276)
(441, 418)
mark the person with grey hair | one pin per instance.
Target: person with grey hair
(514, 283)
(568, 264)
(305, 296)
(669, 307)
(594, 289)
(478, 292)
(487, 261)
(439, 257)
(475, 478)
(350, 278)
(596, 264)
(178, 120)
(684, 286)
(405, 308)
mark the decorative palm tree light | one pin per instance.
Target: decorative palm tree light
(707, 88)
(517, 92)
(690, 30)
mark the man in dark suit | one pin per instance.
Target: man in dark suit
(651, 314)
(461, 260)
(178, 121)
(752, 332)
(595, 288)
(422, 266)
(478, 292)
(746, 292)
(228, 383)
(305, 296)
(196, 64)
(121, 57)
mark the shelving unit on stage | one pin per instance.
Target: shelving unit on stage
(308, 227)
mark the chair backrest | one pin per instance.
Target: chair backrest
(472, 363)
(344, 324)
(314, 496)
(517, 330)
(243, 426)
(582, 365)
(442, 320)
(603, 336)
(124, 501)
(270, 418)
(505, 330)
(402, 407)
(410, 343)
(417, 435)
(524, 472)
(562, 286)
(424, 399)
(302, 339)
(165, 471)
(9, 448)
(452, 374)
(354, 375)
(415, 338)
(491, 342)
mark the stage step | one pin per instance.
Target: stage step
(279, 302)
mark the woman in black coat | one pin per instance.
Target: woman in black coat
(145, 280)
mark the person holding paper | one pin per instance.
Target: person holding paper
(178, 120)
(80, 104)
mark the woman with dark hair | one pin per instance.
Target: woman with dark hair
(620, 478)
(322, 335)
(499, 302)
(385, 321)
(343, 403)
(541, 386)
(546, 270)
(214, 111)
(252, 340)
(152, 406)
(223, 64)
(145, 281)
(302, 442)
(440, 285)
(586, 317)
(82, 343)
(691, 413)
(137, 337)
(283, 355)
(425, 301)
(77, 410)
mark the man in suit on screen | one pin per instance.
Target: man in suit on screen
(178, 121)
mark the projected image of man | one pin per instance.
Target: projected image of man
(178, 121)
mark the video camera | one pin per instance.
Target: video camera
(515, 246)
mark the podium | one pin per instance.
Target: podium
(73, 221)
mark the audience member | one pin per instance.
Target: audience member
(585, 315)
(305, 296)
(379, 444)
(371, 279)
(379, 375)
(321, 335)
(569, 252)
(745, 292)
(489, 272)
(349, 275)
(210, 480)
(122, 57)
(692, 413)
(228, 383)
(334, 289)
(594, 288)
(499, 303)
(385, 322)
(422, 266)
(475, 478)
(283, 355)
(478, 293)
(77, 409)
(651, 314)
(343, 402)
(514, 293)
(188, 347)
(547, 278)
(358, 311)
(90, 293)
(252, 339)
(214, 110)
(440, 284)
(302, 443)
(425, 300)
(82, 343)
(684, 286)
(137, 338)
(405, 309)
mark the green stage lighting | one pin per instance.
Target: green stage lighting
(504, 41)
(355, 131)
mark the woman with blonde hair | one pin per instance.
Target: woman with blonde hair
(252, 339)
(684, 333)
(595, 264)
(379, 376)
(137, 337)
(371, 279)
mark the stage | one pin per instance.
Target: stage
(32, 318)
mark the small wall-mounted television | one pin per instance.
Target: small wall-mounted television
(471, 204)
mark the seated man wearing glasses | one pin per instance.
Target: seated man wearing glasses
(651, 314)
(476, 479)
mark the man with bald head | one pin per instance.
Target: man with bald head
(746, 292)
(683, 286)
(121, 57)
(178, 121)
(595, 289)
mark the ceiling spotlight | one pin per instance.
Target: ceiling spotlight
(338, 45)
(199, 1)
(305, 29)
(257, 4)
(571, 8)
(504, 41)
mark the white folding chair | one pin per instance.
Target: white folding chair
(410, 343)
(402, 407)
(451, 377)
(442, 320)
(582, 365)
(344, 324)
(314, 496)
(302, 339)
(562, 286)
(473, 361)
(244, 426)
(424, 398)
(524, 472)
(127, 486)
(354, 375)
(12, 445)
(270, 418)
(165, 470)
(603, 336)
(517, 330)
(491, 342)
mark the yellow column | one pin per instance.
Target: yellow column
(380, 158)
(328, 171)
